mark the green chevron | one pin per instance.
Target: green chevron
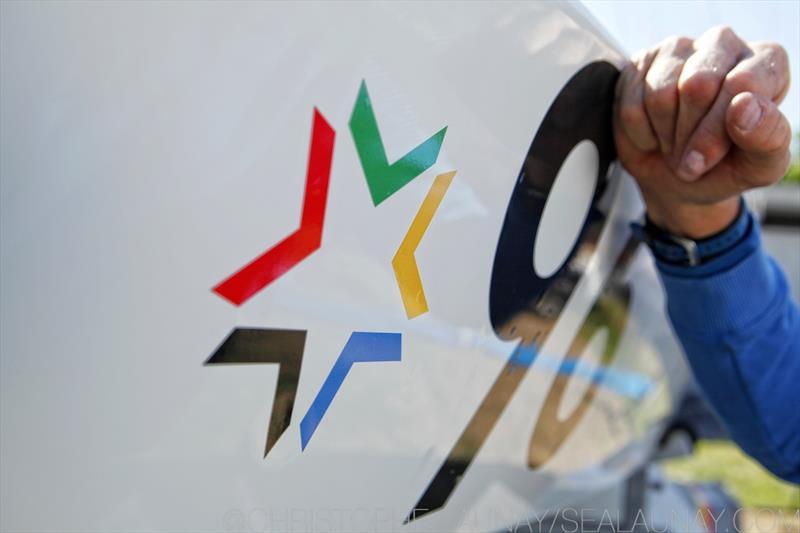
(384, 179)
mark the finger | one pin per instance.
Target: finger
(632, 117)
(761, 135)
(765, 73)
(661, 88)
(623, 80)
(718, 51)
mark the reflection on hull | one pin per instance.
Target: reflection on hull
(523, 305)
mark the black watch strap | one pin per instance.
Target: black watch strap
(681, 250)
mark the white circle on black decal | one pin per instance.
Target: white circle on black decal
(566, 209)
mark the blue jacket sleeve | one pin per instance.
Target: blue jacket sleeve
(740, 331)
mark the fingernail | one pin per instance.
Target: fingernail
(750, 117)
(693, 166)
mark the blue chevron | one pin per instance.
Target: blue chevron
(361, 347)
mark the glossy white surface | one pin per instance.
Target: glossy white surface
(566, 209)
(150, 149)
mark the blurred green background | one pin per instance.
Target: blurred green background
(793, 175)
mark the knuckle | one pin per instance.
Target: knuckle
(721, 34)
(668, 43)
(677, 43)
(639, 56)
(772, 51)
(700, 88)
(774, 57)
(783, 56)
(645, 58)
(683, 43)
(775, 64)
(778, 58)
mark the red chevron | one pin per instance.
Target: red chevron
(282, 257)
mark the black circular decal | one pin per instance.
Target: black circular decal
(581, 111)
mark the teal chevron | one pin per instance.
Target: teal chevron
(384, 179)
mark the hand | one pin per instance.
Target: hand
(696, 123)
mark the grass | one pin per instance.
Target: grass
(793, 174)
(746, 480)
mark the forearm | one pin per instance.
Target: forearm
(696, 122)
(741, 334)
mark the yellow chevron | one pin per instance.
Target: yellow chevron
(404, 263)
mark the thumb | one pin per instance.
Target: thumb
(762, 135)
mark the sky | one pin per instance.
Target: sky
(637, 24)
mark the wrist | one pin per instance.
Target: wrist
(676, 252)
(695, 221)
